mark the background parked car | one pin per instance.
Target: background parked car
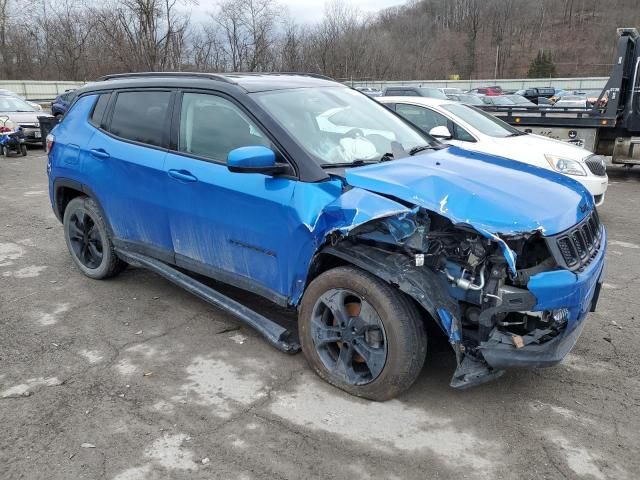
(470, 128)
(535, 94)
(520, 100)
(36, 106)
(542, 101)
(23, 115)
(488, 91)
(406, 91)
(370, 91)
(451, 91)
(466, 98)
(572, 101)
(498, 101)
(62, 102)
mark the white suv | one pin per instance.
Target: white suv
(470, 128)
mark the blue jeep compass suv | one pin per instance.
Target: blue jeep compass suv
(311, 194)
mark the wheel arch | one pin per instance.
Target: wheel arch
(65, 190)
(422, 286)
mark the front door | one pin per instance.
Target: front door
(230, 226)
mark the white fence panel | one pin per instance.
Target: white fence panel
(584, 83)
(46, 91)
(43, 91)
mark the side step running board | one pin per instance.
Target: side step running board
(275, 334)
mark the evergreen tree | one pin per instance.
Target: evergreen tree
(542, 66)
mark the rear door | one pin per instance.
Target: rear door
(229, 226)
(125, 161)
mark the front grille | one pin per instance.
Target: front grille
(597, 165)
(576, 247)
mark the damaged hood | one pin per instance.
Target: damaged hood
(491, 194)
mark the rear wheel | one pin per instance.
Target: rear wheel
(361, 334)
(88, 240)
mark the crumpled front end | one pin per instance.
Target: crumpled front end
(562, 297)
(504, 301)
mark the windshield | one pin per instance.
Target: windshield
(518, 99)
(500, 100)
(481, 121)
(433, 93)
(470, 99)
(337, 125)
(14, 104)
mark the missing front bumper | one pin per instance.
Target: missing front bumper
(499, 355)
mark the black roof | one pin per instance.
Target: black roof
(249, 82)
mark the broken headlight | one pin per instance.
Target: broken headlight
(560, 316)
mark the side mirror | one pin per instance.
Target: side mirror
(440, 132)
(256, 159)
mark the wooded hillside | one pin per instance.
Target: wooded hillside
(425, 39)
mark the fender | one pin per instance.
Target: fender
(420, 283)
(62, 182)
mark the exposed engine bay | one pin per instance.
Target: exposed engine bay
(464, 280)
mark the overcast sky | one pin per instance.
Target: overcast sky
(307, 11)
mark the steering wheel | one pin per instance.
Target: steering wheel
(354, 133)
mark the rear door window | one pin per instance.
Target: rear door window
(141, 116)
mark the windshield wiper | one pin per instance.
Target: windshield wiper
(516, 134)
(355, 163)
(422, 148)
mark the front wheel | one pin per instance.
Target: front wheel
(88, 240)
(361, 334)
(23, 150)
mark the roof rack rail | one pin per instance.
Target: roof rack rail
(117, 76)
(300, 74)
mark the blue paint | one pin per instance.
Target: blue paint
(565, 289)
(449, 324)
(349, 210)
(476, 189)
(257, 156)
(268, 229)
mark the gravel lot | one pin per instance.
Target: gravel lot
(133, 378)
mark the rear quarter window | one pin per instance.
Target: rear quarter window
(99, 108)
(141, 116)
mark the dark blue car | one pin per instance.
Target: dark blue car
(318, 198)
(61, 104)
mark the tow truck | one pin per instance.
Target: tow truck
(610, 127)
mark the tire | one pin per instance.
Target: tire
(388, 317)
(86, 236)
(23, 150)
(5, 151)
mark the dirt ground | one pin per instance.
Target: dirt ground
(133, 378)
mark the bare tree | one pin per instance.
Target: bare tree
(422, 39)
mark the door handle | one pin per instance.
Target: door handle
(99, 153)
(183, 175)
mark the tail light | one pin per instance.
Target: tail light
(51, 140)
